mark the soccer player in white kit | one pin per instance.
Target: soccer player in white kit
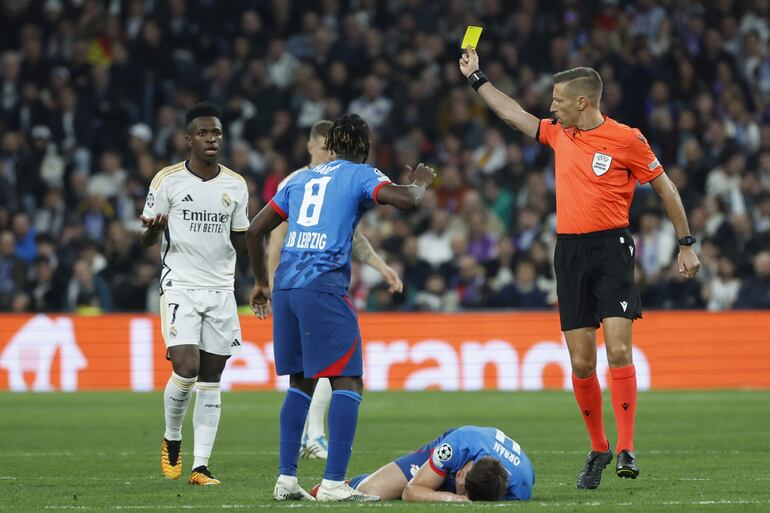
(314, 443)
(198, 209)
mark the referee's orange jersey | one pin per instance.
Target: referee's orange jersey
(596, 171)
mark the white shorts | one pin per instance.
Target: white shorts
(205, 318)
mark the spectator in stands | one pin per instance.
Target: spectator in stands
(13, 270)
(84, 85)
(721, 291)
(87, 290)
(434, 245)
(755, 291)
(524, 291)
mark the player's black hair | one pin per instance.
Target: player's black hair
(349, 136)
(487, 480)
(201, 110)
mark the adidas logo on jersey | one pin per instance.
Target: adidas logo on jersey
(187, 198)
(235, 343)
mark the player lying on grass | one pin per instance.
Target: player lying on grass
(468, 463)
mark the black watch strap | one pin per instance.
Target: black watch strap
(687, 240)
(477, 79)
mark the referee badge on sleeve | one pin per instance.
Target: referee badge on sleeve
(601, 163)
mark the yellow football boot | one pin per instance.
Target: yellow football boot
(171, 458)
(202, 476)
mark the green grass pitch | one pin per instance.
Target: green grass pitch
(698, 451)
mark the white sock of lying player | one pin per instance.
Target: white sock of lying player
(315, 425)
(176, 399)
(208, 407)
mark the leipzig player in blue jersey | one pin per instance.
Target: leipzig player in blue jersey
(315, 327)
(467, 463)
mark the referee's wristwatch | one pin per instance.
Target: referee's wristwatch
(687, 240)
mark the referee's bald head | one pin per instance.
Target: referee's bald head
(581, 82)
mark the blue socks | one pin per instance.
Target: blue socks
(293, 415)
(343, 418)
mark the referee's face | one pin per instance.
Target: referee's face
(563, 106)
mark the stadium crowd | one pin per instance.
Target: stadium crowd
(93, 92)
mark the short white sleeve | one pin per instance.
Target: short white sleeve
(157, 200)
(240, 220)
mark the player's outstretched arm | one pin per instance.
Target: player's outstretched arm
(262, 224)
(364, 252)
(504, 106)
(152, 227)
(424, 487)
(405, 197)
(689, 264)
(274, 245)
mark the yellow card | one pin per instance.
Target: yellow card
(471, 38)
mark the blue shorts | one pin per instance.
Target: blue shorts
(410, 463)
(315, 333)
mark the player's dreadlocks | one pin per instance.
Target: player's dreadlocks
(349, 136)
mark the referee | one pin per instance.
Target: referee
(598, 162)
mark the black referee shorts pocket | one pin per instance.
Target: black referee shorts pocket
(625, 244)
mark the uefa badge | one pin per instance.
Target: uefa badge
(172, 331)
(444, 452)
(226, 201)
(150, 200)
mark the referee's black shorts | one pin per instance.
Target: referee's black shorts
(595, 278)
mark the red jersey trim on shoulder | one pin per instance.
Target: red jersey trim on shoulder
(437, 470)
(278, 210)
(377, 189)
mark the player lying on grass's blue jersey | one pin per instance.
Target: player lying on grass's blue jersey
(468, 463)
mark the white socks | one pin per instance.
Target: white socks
(315, 425)
(208, 407)
(176, 399)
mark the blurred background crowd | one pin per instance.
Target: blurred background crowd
(93, 93)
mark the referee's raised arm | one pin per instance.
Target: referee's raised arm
(504, 106)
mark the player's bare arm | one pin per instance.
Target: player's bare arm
(262, 224)
(405, 197)
(238, 240)
(274, 245)
(424, 487)
(364, 252)
(152, 228)
(504, 106)
(689, 264)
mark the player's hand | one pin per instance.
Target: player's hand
(156, 224)
(423, 175)
(689, 264)
(395, 285)
(469, 61)
(260, 301)
(457, 498)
